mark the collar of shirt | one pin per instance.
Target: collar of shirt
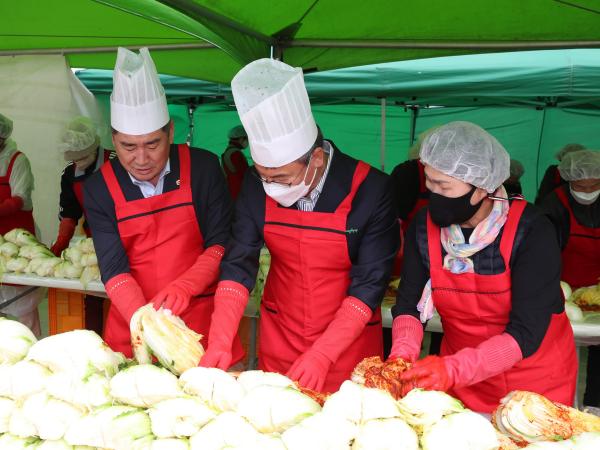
(308, 203)
(147, 188)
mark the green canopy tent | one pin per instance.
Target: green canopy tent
(534, 102)
(210, 40)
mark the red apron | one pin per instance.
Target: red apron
(307, 282)
(78, 189)
(475, 307)
(19, 219)
(234, 166)
(422, 201)
(162, 239)
(581, 255)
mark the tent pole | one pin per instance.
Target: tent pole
(81, 50)
(382, 148)
(539, 150)
(414, 111)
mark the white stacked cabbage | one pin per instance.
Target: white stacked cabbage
(79, 261)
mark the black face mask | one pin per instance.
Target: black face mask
(446, 211)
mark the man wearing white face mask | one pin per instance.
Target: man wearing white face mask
(329, 223)
(574, 209)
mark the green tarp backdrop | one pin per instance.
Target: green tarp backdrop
(533, 102)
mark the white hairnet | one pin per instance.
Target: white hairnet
(581, 165)
(79, 138)
(516, 169)
(237, 132)
(414, 150)
(468, 153)
(6, 127)
(568, 149)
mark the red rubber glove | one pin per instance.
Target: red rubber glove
(66, 229)
(466, 367)
(231, 299)
(177, 295)
(312, 367)
(428, 373)
(126, 294)
(10, 206)
(407, 336)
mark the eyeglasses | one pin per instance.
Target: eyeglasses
(255, 173)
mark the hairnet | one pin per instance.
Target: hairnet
(79, 138)
(568, 149)
(414, 150)
(516, 169)
(468, 153)
(237, 132)
(6, 127)
(581, 165)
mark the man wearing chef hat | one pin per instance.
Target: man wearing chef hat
(159, 213)
(329, 223)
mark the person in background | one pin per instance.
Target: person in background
(160, 214)
(513, 183)
(330, 226)
(574, 209)
(80, 145)
(16, 211)
(552, 178)
(490, 266)
(234, 161)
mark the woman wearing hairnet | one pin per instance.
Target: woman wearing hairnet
(16, 211)
(552, 178)
(491, 269)
(80, 145)
(574, 208)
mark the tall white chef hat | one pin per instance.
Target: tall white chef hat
(273, 105)
(138, 104)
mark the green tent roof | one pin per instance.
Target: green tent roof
(211, 40)
(563, 78)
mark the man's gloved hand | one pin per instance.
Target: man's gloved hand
(66, 229)
(428, 373)
(310, 369)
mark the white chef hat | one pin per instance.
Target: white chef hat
(138, 104)
(273, 105)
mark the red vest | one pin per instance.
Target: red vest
(307, 282)
(473, 308)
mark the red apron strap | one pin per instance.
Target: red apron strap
(557, 177)
(562, 196)
(434, 244)
(11, 164)
(106, 155)
(510, 230)
(113, 185)
(184, 165)
(422, 186)
(360, 173)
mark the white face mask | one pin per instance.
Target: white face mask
(585, 198)
(288, 195)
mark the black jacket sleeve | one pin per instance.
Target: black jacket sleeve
(559, 217)
(536, 293)
(69, 205)
(547, 185)
(240, 262)
(379, 242)
(100, 214)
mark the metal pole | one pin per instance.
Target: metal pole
(82, 50)
(382, 148)
(539, 150)
(414, 110)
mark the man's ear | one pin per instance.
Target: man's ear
(319, 157)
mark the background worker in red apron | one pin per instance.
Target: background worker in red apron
(574, 208)
(16, 211)
(330, 226)
(234, 161)
(491, 269)
(159, 213)
(552, 178)
(80, 145)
